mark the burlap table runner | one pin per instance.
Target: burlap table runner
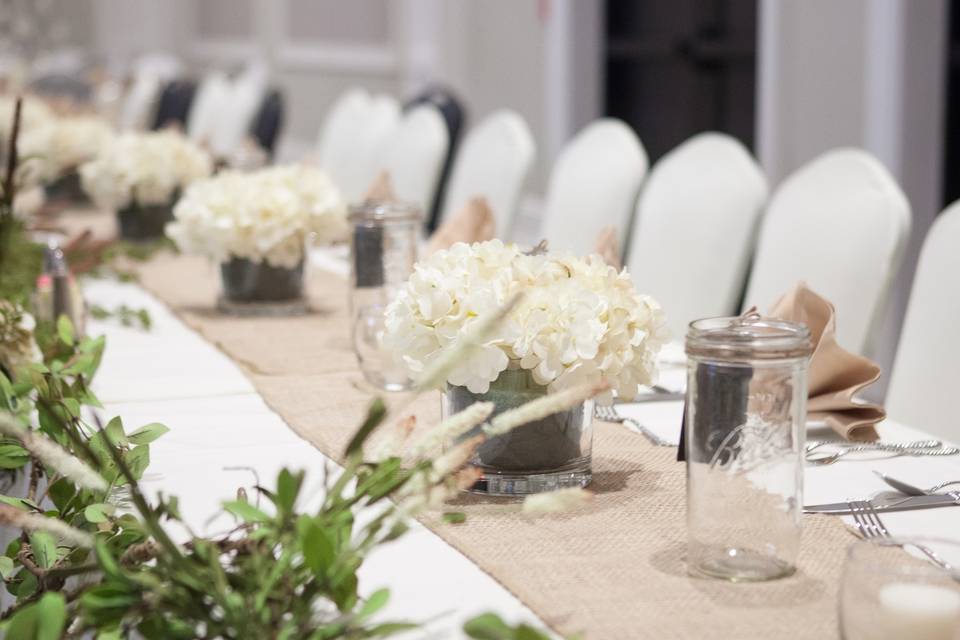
(612, 570)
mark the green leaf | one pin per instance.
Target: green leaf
(6, 567)
(455, 517)
(487, 626)
(106, 561)
(51, 616)
(375, 414)
(147, 433)
(388, 629)
(377, 600)
(61, 492)
(319, 549)
(73, 406)
(114, 431)
(288, 487)
(20, 503)
(65, 330)
(44, 548)
(246, 511)
(100, 512)
(526, 632)
(13, 456)
(138, 459)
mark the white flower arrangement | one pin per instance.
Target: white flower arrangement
(265, 215)
(579, 321)
(143, 169)
(63, 144)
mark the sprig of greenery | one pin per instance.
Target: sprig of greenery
(126, 316)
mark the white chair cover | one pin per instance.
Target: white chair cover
(140, 102)
(234, 121)
(413, 155)
(594, 184)
(493, 161)
(923, 380)
(694, 229)
(213, 96)
(840, 223)
(351, 138)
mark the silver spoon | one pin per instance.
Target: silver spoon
(911, 490)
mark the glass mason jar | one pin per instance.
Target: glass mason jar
(383, 250)
(745, 423)
(548, 454)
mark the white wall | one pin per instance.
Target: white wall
(540, 58)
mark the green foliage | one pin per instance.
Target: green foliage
(126, 316)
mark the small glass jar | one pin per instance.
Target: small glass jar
(552, 453)
(892, 588)
(745, 423)
(383, 250)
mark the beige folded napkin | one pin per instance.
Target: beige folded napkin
(473, 223)
(608, 247)
(381, 189)
(835, 375)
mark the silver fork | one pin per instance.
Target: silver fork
(610, 414)
(869, 524)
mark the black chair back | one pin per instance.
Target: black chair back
(173, 107)
(268, 121)
(455, 116)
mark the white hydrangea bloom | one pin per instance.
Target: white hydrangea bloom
(579, 321)
(62, 144)
(266, 215)
(144, 169)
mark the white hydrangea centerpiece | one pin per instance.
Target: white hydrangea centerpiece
(61, 145)
(263, 216)
(143, 169)
(579, 320)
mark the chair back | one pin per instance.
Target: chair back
(173, 107)
(694, 228)
(268, 122)
(923, 380)
(413, 155)
(235, 120)
(211, 99)
(594, 184)
(493, 161)
(840, 223)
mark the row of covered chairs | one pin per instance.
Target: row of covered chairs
(364, 134)
(698, 233)
(701, 236)
(219, 111)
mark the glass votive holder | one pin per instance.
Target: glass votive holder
(383, 250)
(891, 590)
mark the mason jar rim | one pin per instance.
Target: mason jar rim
(371, 210)
(748, 336)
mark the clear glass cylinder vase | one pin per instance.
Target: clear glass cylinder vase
(745, 421)
(246, 281)
(144, 222)
(548, 454)
(383, 249)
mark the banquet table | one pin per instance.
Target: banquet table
(224, 436)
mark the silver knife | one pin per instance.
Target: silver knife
(902, 504)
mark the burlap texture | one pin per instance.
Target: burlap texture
(612, 570)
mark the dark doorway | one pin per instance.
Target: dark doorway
(681, 67)
(951, 146)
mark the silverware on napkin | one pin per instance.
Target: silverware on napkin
(901, 504)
